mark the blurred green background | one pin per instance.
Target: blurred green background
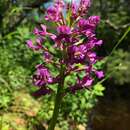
(20, 111)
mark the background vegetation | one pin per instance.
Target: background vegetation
(18, 109)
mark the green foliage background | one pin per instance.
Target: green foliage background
(18, 109)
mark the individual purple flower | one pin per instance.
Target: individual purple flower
(80, 52)
(99, 74)
(41, 92)
(87, 81)
(64, 30)
(92, 43)
(92, 57)
(89, 23)
(43, 31)
(88, 26)
(47, 57)
(36, 31)
(84, 6)
(61, 40)
(42, 76)
(97, 42)
(64, 36)
(59, 4)
(74, 9)
(85, 3)
(53, 14)
(82, 23)
(30, 44)
(36, 47)
(94, 20)
(52, 36)
(89, 33)
(77, 54)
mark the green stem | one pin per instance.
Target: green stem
(120, 40)
(56, 111)
(118, 43)
(58, 100)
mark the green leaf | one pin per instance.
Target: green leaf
(98, 89)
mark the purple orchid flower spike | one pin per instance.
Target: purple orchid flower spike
(68, 41)
(72, 50)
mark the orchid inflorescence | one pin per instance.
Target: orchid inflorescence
(74, 40)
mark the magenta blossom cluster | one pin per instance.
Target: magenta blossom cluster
(74, 39)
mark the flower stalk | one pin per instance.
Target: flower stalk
(58, 100)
